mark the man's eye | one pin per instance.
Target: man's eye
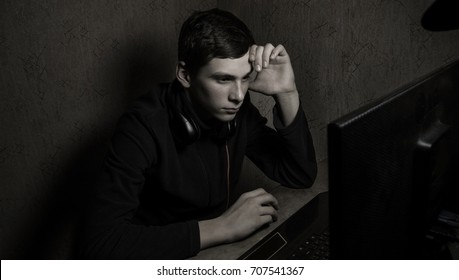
(223, 80)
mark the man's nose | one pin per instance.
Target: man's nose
(237, 93)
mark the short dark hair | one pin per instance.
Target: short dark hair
(212, 34)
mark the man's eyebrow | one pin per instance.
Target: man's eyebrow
(221, 75)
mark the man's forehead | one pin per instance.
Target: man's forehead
(231, 66)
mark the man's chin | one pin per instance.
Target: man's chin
(226, 117)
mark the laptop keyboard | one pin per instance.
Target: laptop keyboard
(315, 247)
(296, 237)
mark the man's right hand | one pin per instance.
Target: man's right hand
(251, 211)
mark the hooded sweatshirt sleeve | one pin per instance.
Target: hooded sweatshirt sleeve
(285, 154)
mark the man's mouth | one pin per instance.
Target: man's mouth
(231, 110)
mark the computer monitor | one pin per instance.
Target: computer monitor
(389, 170)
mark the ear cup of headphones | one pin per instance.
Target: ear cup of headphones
(184, 128)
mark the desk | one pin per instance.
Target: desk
(290, 201)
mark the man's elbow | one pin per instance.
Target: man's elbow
(305, 178)
(309, 176)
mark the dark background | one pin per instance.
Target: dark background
(68, 69)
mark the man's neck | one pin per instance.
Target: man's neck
(204, 119)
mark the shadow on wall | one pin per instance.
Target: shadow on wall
(147, 65)
(54, 235)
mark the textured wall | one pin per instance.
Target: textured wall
(69, 69)
(348, 53)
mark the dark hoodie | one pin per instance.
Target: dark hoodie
(154, 189)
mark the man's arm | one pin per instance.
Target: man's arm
(275, 77)
(287, 154)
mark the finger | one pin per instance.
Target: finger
(268, 49)
(267, 199)
(252, 53)
(269, 210)
(254, 193)
(279, 50)
(259, 58)
(266, 219)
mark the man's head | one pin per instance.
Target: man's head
(212, 34)
(214, 65)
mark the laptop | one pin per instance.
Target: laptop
(304, 235)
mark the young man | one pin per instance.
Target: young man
(177, 153)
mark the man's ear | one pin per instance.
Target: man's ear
(183, 76)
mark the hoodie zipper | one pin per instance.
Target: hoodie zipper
(228, 166)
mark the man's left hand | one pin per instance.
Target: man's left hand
(274, 72)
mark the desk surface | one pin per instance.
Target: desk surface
(290, 201)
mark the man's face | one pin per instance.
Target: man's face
(220, 86)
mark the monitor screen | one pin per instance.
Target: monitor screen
(389, 170)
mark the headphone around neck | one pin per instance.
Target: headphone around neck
(185, 128)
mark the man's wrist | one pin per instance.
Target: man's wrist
(212, 232)
(288, 104)
(286, 97)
